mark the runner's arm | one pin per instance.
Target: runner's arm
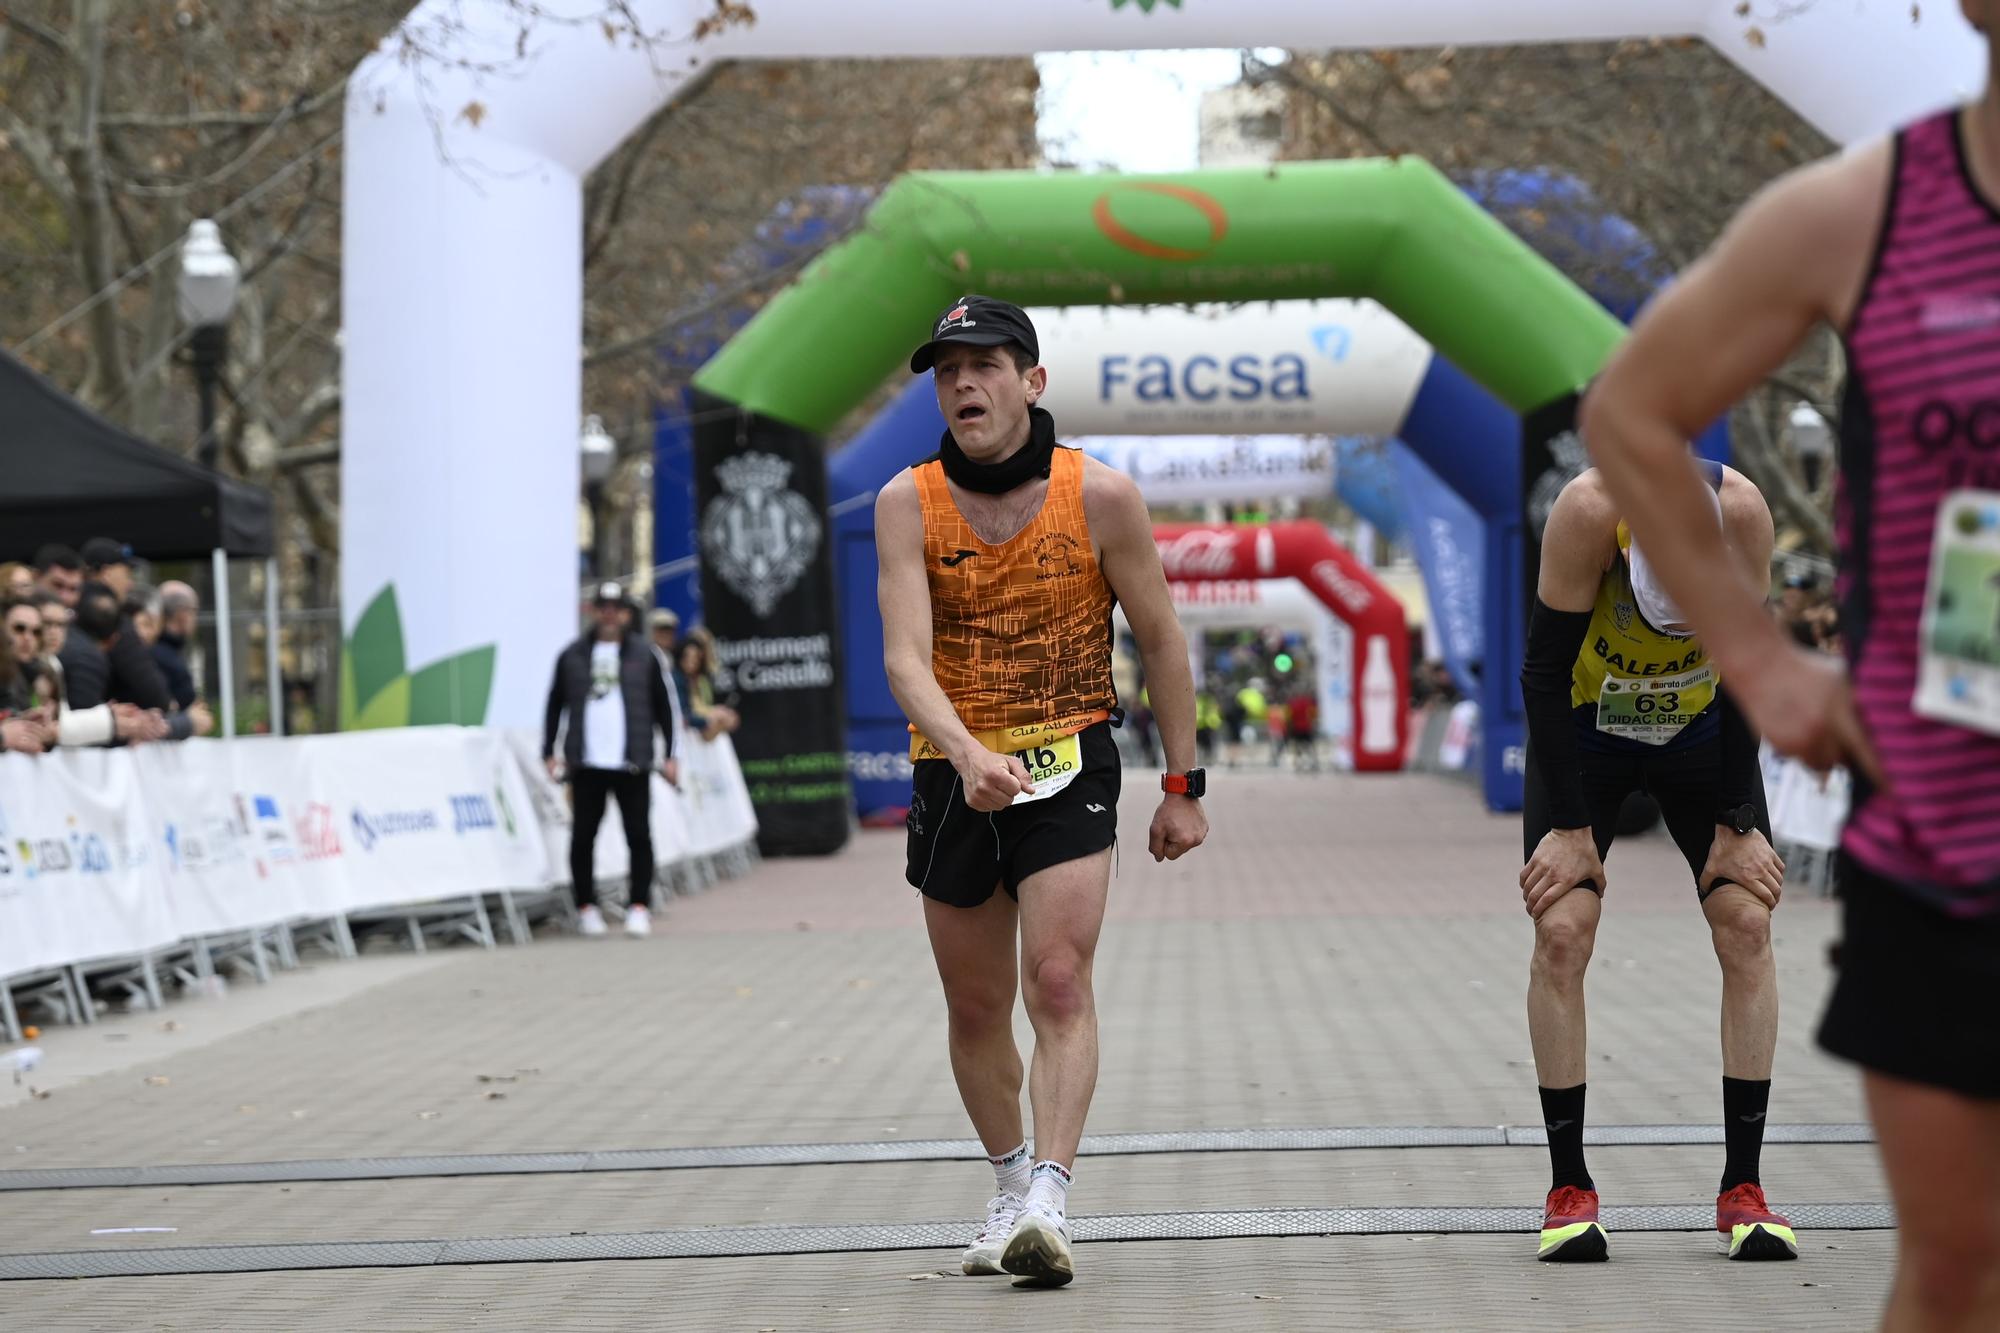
(905, 598)
(1123, 531)
(1576, 545)
(1794, 257)
(1746, 524)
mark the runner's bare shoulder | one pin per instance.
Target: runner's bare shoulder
(1818, 226)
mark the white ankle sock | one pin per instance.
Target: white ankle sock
(1010, 1172)
(1049, 1184)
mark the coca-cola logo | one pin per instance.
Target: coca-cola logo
(1349, 593)
(1203, 553)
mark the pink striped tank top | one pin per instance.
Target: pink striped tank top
(1921, 418)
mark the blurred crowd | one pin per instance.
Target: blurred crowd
(92, 655)
(1808, 611)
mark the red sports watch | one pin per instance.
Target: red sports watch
(1192, 783)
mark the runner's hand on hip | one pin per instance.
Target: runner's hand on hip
(1746, 860)
(1563, 859)
(992, 781)
(1179, 826)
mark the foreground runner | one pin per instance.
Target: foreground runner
(1621, 698)
(1897, 246)
(1001, 559)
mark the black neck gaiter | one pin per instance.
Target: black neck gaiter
(1031, 460)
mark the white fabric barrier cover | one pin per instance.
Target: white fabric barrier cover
(109, 853)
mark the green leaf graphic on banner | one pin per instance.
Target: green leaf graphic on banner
(376, 689)
(389, 708)
(453, 690)
(1146, 6)
(373, 656)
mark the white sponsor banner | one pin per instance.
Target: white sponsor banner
(1189, 469)
(111, 853)
(1300, 367)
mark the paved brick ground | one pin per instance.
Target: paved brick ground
(1347, 951)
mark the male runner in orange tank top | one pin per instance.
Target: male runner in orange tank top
(1001, 560)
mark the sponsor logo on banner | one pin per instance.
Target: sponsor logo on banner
(317, 832)
(759, 536)
(268, 825)
(1352, 595)
(763, 665)
(1245, 378)
(1126, 237)
(1203, 553)
(880, 765)
(472, 812)
(370, 829)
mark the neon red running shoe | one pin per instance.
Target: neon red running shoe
(1746, 1228)
(1570, 1230)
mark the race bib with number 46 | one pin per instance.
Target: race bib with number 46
(1051, 767)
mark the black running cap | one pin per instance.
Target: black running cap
(979, 321)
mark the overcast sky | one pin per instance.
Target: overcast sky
(1129, 110)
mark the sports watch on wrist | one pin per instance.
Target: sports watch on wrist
(1742, 818)
(1192, 783)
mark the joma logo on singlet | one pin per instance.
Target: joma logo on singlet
(1618, 662)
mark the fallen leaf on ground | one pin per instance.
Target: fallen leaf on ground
(157, 1080)
(248, 1108)
(37, 1094)
(494, 1096)
(1255, 1297)
(429, 1115)
(171, 1025)
(745, 992)
(499, 1078)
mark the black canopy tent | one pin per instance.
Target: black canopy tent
(67, 474)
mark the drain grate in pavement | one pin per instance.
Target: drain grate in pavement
(730, 1242)
(915, 1150)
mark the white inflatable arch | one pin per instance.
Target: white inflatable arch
(462, 245)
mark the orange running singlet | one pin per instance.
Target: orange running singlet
(1020, 631)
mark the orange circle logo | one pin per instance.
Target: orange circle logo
(1124, 237)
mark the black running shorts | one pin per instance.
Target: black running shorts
(1913, 993)
(1685, 782)
(958, 855)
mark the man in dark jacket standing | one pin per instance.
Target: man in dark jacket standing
(609, 696)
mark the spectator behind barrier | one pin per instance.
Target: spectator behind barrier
(27, 725)
(179, 608)
(694, 683)
(103, 661)
(16, 580)
(59, 570)
(141, 607)
(109, 562)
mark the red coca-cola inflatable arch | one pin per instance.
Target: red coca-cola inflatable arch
(1304, 551)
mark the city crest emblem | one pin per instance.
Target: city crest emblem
(1621, 615)
(759, 535)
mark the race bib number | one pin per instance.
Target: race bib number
(1958, 672)
(1051, 767)
(1654, 709)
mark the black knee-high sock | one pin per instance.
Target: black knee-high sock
(1562, 1117)
(1744, 1101)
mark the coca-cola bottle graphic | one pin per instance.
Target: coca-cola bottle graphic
(1378, 699)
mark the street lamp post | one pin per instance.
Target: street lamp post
(599, 452)
(209, 280)
(1813, 439)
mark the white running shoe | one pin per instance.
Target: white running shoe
(590, 921)
(1038, 1251)
(982, 1257)
(638, 922)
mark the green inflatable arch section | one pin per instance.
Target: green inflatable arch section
(1395, 230)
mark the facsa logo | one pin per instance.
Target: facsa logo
(1247, 378)
(370, 829)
